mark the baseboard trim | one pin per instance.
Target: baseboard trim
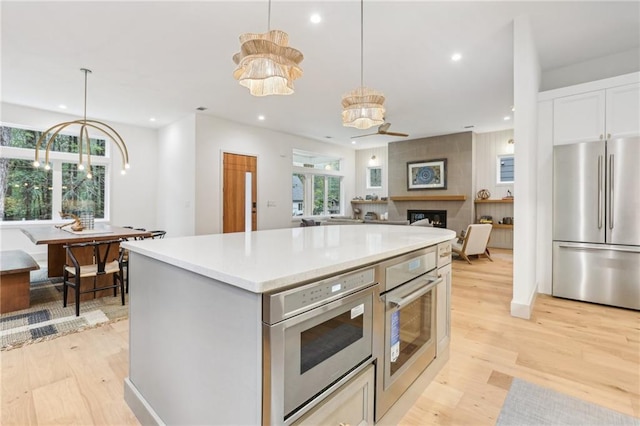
(140, 407)
(521, 310)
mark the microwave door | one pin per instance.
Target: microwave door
(578, 192)
(623, 191)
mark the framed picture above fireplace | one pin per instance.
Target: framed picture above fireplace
(428, 174)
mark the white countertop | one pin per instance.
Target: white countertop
(265, 261)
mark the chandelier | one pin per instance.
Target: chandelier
(266, 63)
(362, 107)
(84, 124)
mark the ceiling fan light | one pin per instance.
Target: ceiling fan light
(266, 64)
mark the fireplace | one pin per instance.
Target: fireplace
(437, 217)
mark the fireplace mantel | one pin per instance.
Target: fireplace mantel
(429, 198)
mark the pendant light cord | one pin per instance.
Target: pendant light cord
(269, 18)
(361, 44)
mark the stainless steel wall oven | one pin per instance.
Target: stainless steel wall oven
(405, 342)
(315, 338)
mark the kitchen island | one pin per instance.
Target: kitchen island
(196, 311)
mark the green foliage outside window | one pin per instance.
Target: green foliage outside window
(27, 192)
(332, 185)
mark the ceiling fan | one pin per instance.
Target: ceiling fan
(382, 130)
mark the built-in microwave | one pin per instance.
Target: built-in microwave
(313, 337)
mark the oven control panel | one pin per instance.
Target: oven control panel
(295, 301)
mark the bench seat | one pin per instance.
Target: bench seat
(15, 266)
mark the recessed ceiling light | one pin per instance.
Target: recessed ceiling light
(507, 118)
(353, 142)
(261, 117)
(456, 57)
(315, 18)
(152, 119)
(62, 106)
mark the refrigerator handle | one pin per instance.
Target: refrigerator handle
(600, 206)
(611, 191)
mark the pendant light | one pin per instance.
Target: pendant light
(266, 63)
(83, 138)
(362, 107)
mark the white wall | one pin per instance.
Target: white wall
(594, 69)
(273, 151)
(487, 147)
(133, 196)
(526, 86)
(363, 161)
(545, 196)
(176, 178)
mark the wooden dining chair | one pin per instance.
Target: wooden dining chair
(156, 235)
(106, 260)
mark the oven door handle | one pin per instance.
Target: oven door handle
(400, 302)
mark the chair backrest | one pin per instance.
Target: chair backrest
(476, 238)
(157, 234)
(101, 251)
(308, 222)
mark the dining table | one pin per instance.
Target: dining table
(56, 238)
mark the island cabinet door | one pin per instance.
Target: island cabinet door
(351, 404)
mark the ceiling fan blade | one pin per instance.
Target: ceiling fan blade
(362, 136)
(404, 135)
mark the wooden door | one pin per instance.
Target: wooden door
(233, 201)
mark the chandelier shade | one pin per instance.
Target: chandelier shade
(267, 65)
(362, 107)
(52, 132)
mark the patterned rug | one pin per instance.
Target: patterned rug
(529, 404)
(47, 319)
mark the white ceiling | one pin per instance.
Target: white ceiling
(164, 59)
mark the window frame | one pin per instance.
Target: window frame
(499, 159)
(56, 159)
(369, 170)
(310, 174)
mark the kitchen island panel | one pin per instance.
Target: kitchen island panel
(194, 343)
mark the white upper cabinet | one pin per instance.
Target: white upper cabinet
(598, 115)
(623, 111)
(579, 118)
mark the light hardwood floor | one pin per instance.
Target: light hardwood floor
(588, 351)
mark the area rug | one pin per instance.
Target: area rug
(47, 319)
(529, 404)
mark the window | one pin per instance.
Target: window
(374, 177)
(35, 194)
(316, 185)
(505, 169)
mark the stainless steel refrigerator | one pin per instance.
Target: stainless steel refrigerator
(596, 222)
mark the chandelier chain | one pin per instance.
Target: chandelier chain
(85, 94)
